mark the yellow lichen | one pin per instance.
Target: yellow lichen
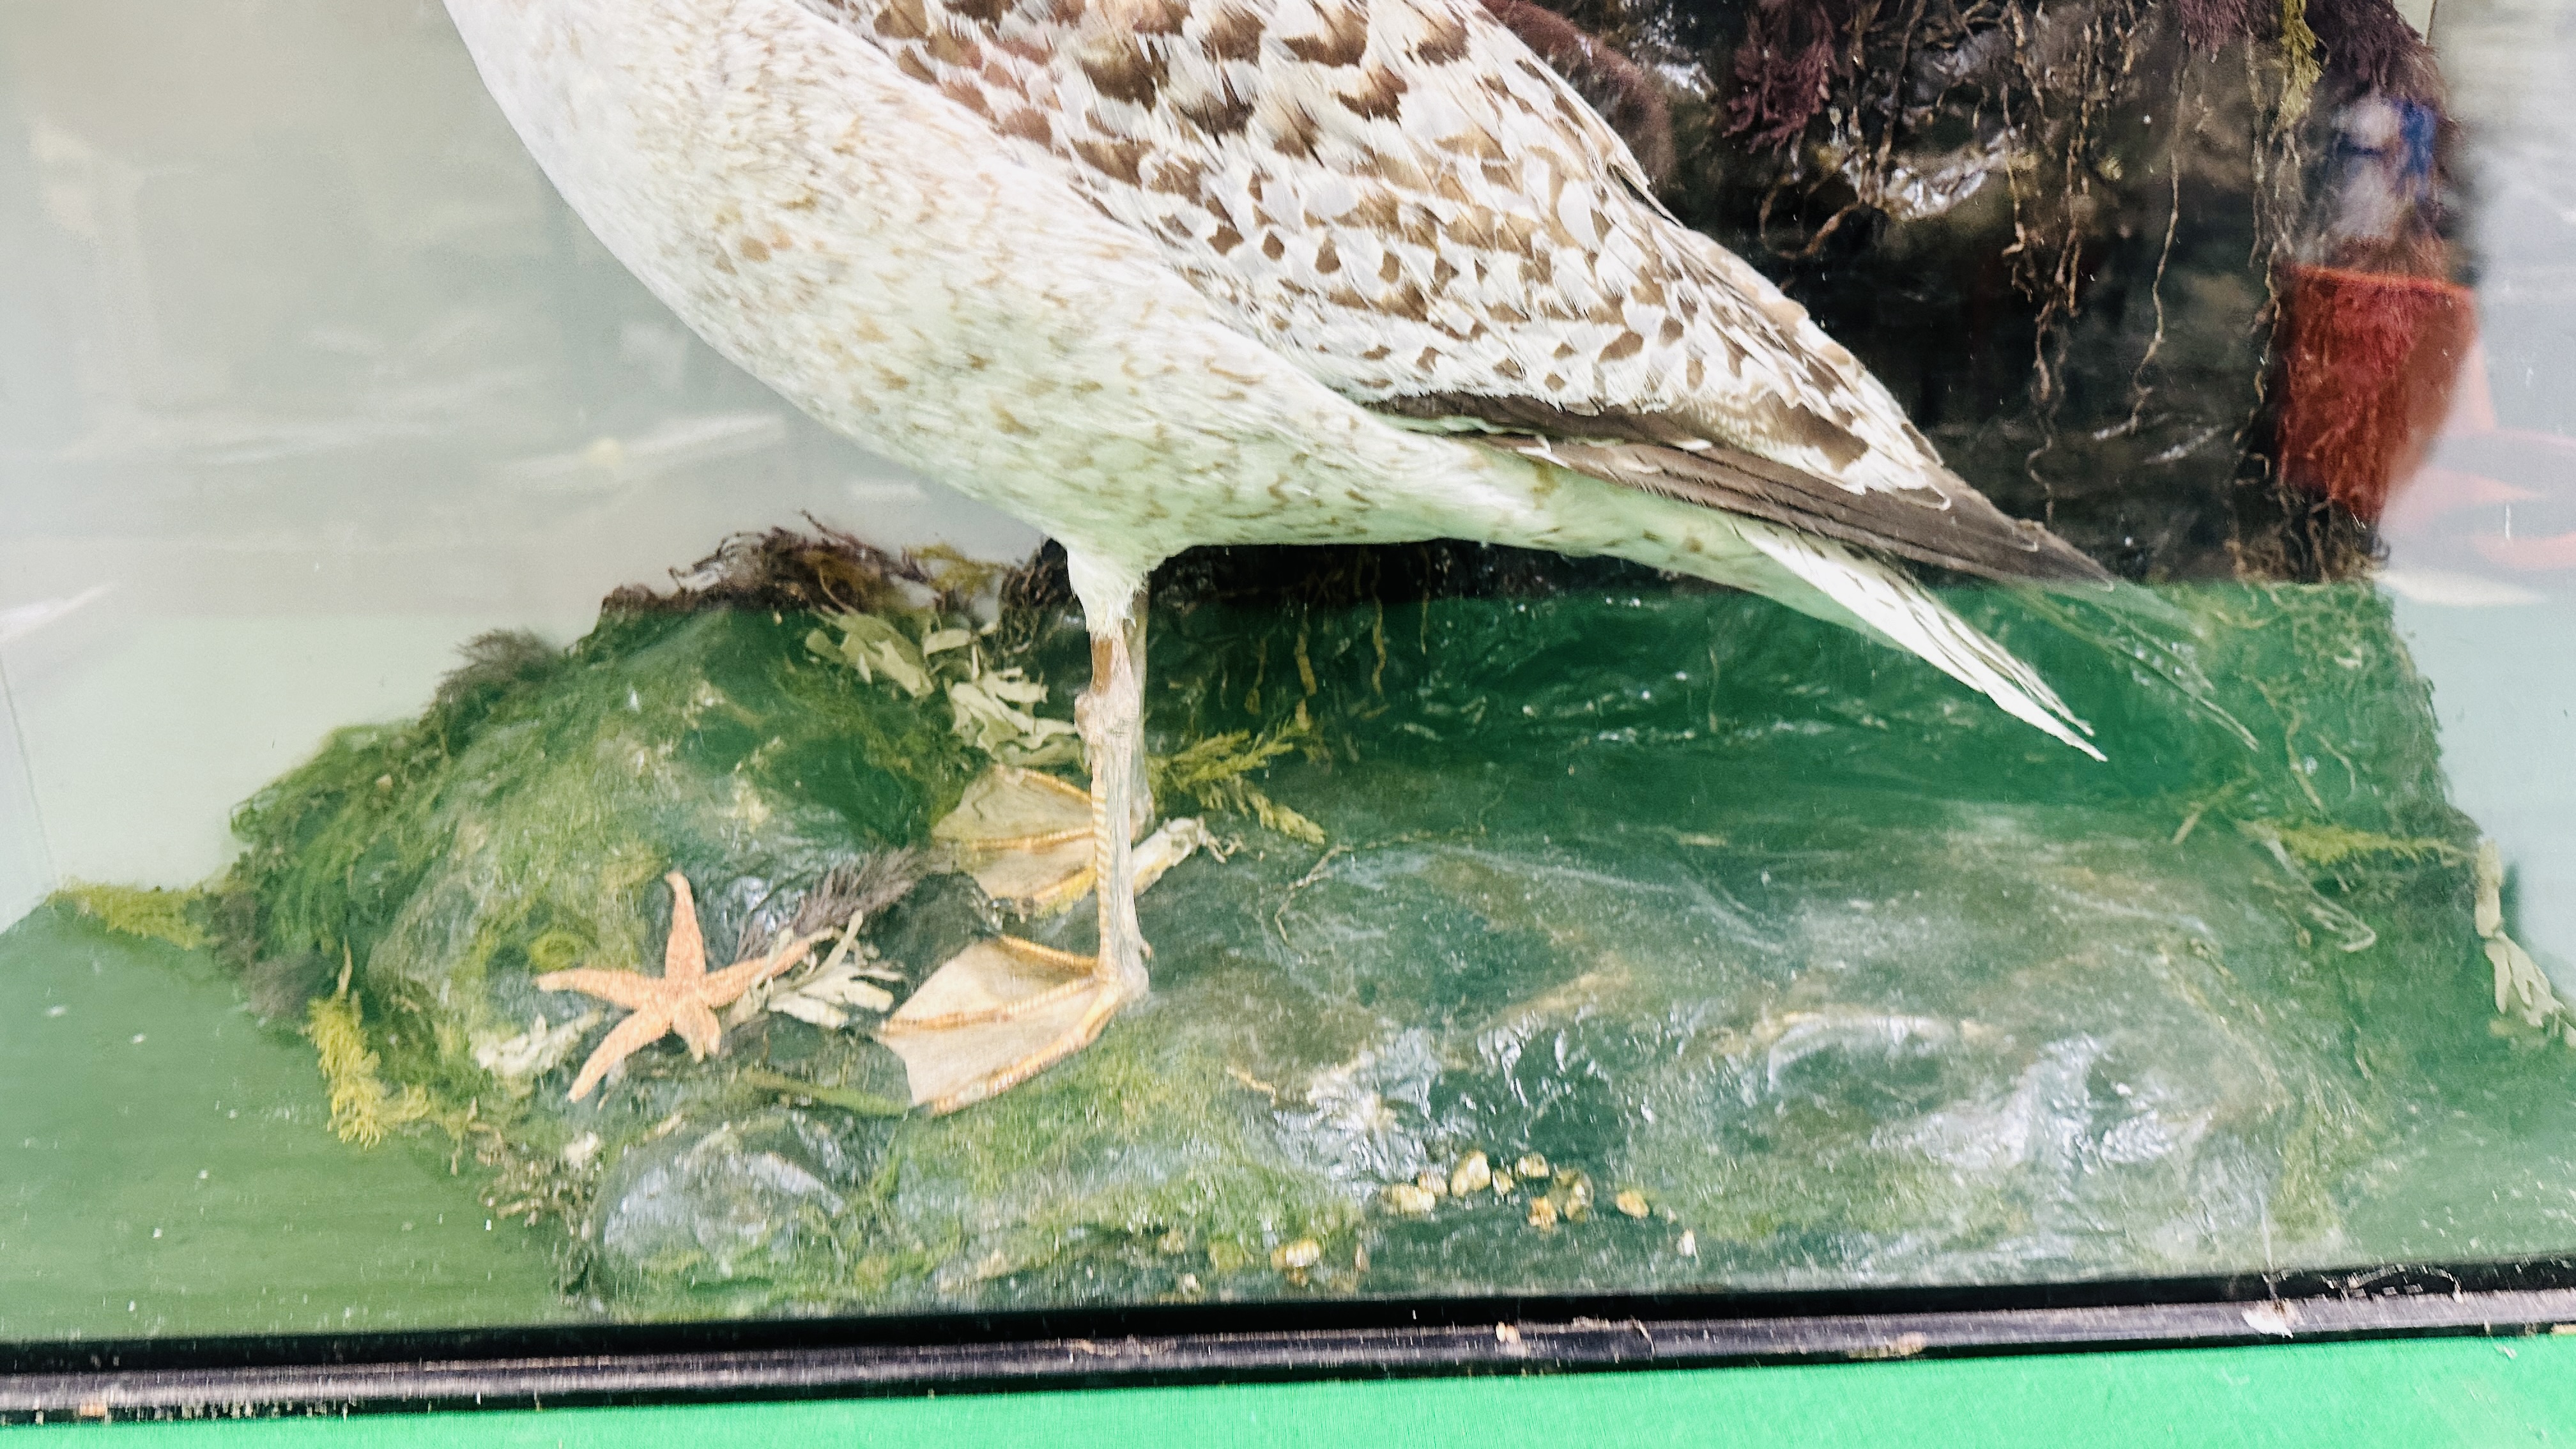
(155, 914)
(2323, 847)
(1212, 772)
(363, 1110)
(2300, 67)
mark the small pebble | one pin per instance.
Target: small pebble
(1298, 1256)
(1542, 1213)
(1475, 1174)
(1406, 1198)
(1503, 1184)
(1690, 1245)
(1631, 1202)
(1190, 1284)
(1432, 1182)
(1532, 1167)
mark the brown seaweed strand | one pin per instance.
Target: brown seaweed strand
(2049, 256)
(2139, 388)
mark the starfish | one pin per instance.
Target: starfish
(683, 998)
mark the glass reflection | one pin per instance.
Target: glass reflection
(1573, 929)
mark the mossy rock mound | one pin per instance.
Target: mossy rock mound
(1778, 946)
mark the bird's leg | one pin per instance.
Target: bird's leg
(1111, 716)
(1004, 1009)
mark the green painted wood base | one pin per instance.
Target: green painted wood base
(2416, 1394)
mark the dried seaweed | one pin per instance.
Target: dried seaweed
(497, 664)
(784, 569)
(859, 889)
(2210, 24)
(1794, 54)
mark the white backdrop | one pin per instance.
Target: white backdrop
(305, 377)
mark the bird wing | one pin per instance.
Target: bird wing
(1399, 196)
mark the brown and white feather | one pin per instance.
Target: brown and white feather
(1151, 274)
(1402, 199)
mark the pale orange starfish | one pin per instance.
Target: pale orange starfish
(683, 998)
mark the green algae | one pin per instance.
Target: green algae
(1850, 975)
(173, 1171)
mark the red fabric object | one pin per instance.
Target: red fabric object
(2457, 513)
(2368, 366)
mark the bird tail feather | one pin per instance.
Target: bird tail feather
(1908, 616)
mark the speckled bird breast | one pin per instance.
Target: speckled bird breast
(860, 244)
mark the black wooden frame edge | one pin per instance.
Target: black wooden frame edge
(1237, 1343)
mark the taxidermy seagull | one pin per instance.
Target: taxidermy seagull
(1152, 274)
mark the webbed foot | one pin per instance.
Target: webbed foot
(995, 1015)
(1005, 1009)
(1025, 837)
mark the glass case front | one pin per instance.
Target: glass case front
(509, 820)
